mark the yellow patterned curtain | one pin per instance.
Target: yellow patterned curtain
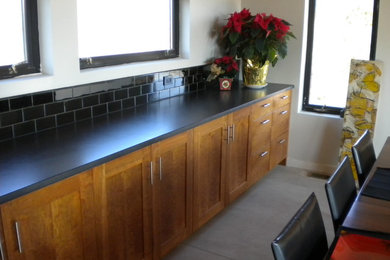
(361, 107)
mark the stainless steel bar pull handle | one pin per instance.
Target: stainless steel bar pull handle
(1, 249)
(282, 141)
(151, 173)
(17, 228)
(285, 97)
(267, 105)
(233, 127)
(160, 168)
(264, 154)
(228, 135)
(265, 122)
(284, 112)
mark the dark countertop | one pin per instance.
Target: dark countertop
(35, 161)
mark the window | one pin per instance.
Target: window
(19, 48)
(121, 31)
(338, 31)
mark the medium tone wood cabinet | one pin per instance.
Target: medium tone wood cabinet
(142, 205)
(172, 192)
(56, 222)
(210, 141)
(237, 154)
(123, 205)
(280, 128)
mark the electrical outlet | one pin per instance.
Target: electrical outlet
(168, 80)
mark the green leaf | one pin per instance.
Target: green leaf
(259, 43)
(274, 61)
(291, 35)
(283, 50)
(233, 37)
(272, 54)
(255, 32)
(248, 52)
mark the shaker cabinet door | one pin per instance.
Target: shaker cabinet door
(56, 222)
(210, 142)
(123, 200)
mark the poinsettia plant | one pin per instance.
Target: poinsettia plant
(258, 37)
(226, 66)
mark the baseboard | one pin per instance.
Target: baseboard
(325, 169)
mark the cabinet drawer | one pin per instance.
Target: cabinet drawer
(281, 120)
(260, 131)
(282, 99)
(258, 163)
(278, 149)
(262, 108)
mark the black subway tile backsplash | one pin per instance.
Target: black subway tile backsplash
(121, 94)
(99, 110)
(45, 123)
(33, 112)
(141, 100)
(106, 97)
(135, 91)
(114, 106)
(73, 104)
(89, 101)
(6, 133)
(164, 94)
(146, 89)
(36, 112)
(128, 103)
(42, 98)
(4, 105)
(10, 118)
(65, 118)
(54, 108)
(83, 113)
(24, 128)
(20, 102)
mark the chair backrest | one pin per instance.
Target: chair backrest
(341, 192)
(304, 237)
(364, 156)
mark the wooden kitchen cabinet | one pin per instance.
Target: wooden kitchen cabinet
(259, 147)
(2, 244)
(55, 222)
(123, 205)
(280, 128)
(237, 174)
(172, 192)
(210, 141)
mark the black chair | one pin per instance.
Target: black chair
(364, 156)
(304, 237)
(341, 192)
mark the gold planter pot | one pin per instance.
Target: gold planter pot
(255, 74)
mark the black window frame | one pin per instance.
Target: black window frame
(32, 64)
(309, 50)
(109, 60)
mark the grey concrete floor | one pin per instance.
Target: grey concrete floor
(245, 229)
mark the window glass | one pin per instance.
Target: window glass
(119, 27)
(341, 31)
(11, 26)
(19, 48)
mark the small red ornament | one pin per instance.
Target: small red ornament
(225, 83)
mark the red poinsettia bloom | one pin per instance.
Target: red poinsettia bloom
(245, 13)
(262, 21)
(233, 66)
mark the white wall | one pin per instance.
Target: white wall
(315, 139)
(58, 46)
